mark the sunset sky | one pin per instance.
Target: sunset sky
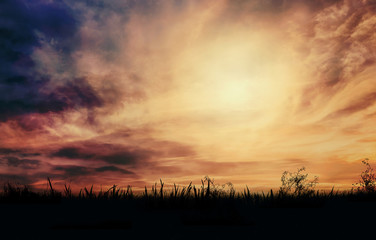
(127, 92)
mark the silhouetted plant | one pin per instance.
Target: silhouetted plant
(15, 191)
(49, 183)
(367, 182)
(68, 191)
(296, 191)
(89, 193)
(210, 189)
(296, 183)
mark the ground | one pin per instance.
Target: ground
(115, 219)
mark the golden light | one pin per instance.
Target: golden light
(233, 74)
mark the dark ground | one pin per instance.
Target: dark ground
(91, 219)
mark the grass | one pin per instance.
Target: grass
(207, 207)
(206, 195)
(204, 206)
(296, 191)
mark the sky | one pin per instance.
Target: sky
(129, 92)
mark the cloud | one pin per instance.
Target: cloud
(22, 163)
(125, 157)
(72, 171)
(113, 154)
(75, 93)
(75, 171)
(361, 104)
(6, 151)
(27, 28)
(14, 178)
(18, 152)
(119, 154)
(112, 169)
(244, 7)
(94, 158)
(26, 98)
(341, 48)
(72, 153)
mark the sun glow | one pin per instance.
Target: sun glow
(230, 93)
(233, 75)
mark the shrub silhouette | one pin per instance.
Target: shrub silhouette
(296, 183)
(215, 190)
(367, 182)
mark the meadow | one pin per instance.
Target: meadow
(183, 212)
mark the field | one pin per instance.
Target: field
(208, 211)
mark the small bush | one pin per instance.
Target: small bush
(215, 190)
(297, 183)
(367, 182)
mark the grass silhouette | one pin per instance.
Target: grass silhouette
(206, 207)
(295, 191)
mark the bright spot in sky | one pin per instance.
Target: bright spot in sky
(230, 93)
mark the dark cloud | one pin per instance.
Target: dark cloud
(112, 169)
(6, 151)
(20, 21)
(78, 171)
(42, 176)
(109, 153)
(22, 163)
(76, 93)
(126, 157)
(12, 178)
(73, 171)
(18, 152)
(121, 158)
(24, 27)
(113, 157)
(26, 98)
(72, 153)
(29, 154)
